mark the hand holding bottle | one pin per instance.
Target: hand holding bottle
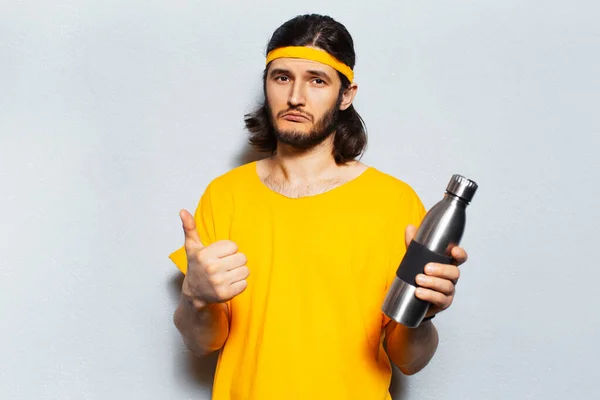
(437, 284)
(433, 244)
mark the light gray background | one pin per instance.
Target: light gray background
(114, 115)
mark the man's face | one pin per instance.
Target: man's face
(303, 98)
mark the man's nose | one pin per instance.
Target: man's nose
(297, 97)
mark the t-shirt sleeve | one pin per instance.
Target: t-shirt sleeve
(411, 212)
(205, 225)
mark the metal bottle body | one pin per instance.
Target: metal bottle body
(441, 230)
(443, 226)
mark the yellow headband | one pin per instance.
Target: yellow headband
(311, 53)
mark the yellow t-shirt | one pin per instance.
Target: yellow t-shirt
(309, 325)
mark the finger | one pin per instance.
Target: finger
(438, 284)
(233, 261)
(189, 229)
(444, 271)
(223, 248)
(237, 288)
(238, 274)
(436, 298)
(459, 255)
(409, 234)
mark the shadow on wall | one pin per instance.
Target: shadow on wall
(247, 154)
(201, 369)
(398, 384)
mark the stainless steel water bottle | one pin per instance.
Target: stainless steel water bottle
(441, 230)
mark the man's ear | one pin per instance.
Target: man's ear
(348, 96)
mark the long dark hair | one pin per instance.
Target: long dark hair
(324, 32)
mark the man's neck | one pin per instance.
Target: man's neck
(304, 166)
(295, 173)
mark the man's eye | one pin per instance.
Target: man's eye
(319, 81)
(282, 79)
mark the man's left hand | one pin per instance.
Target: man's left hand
(437, 284)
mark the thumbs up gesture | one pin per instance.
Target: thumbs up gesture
(216, 273)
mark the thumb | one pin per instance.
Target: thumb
(409, 234)
(189, 229)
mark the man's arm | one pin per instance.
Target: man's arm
(411, 349)
(204, 329)
(215, 274)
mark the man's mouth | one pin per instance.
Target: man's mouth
(295, 117)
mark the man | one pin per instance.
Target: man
(288, 259)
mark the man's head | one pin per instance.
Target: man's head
(308, 90)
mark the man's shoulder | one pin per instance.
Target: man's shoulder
(394, 196)
(234, 178)
(390, 184)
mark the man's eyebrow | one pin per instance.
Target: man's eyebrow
(318, 73)
(312, 72)
(278, 71)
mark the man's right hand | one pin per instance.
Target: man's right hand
(215, 273)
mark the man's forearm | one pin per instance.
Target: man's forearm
(203, 330)
(411, 349)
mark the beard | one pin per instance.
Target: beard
(321, 130)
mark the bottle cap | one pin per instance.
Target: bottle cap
(462, 187)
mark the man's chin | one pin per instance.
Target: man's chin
(291, 136)
(300, 140)
(296, 127)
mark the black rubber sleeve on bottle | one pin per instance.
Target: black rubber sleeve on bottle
(414, 261)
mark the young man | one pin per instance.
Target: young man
(288, 259)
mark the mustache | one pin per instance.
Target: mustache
(296, 110)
